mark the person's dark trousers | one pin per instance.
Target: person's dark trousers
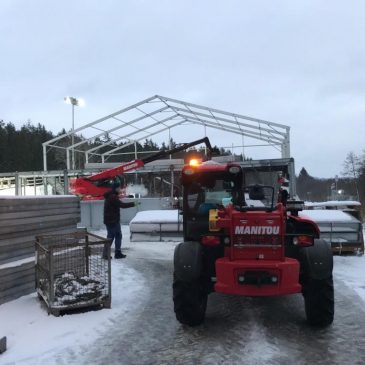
(114, 232)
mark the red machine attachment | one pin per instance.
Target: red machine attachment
(93, 187)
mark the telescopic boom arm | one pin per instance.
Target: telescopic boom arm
(135, 164)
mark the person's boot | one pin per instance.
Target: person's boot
(119, 255)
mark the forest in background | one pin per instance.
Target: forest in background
(21, 150)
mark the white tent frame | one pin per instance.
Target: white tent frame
(178, 113)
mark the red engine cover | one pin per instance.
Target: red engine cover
(255, 262)
(255, 235)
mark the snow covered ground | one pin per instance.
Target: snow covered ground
(37, 338)
(351, 270)
(34, 337)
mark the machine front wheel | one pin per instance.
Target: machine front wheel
(190, 301)
(319, 301)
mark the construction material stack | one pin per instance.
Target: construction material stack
(23, 218)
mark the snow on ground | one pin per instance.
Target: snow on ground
(351, 270)
(144, 250)
(35, 337)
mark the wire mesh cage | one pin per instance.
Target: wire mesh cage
(73, 271)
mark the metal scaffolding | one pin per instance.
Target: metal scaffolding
(159, 114)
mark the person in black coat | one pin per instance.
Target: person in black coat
(112, 206)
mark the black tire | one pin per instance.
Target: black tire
(319, 301)
(190, 301)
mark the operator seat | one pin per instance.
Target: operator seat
(205, 207)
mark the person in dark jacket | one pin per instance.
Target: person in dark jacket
(112, 206)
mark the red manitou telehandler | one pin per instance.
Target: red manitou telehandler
(237, 240)
(93, 187)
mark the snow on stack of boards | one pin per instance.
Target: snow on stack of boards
(157, 225)
(340, 229)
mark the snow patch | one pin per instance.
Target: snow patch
(35, 197)
(28, 191)
(351, 270)
(35, 337)
(156, 216)
(211, 162)
(333, 203)
(157, 224)
(17, 263)
(330, 215)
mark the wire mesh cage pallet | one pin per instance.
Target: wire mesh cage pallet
(73, 271)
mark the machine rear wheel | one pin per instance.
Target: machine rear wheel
(319, 301)
(190, 301)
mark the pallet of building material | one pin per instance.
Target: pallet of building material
(17, 279)
(34, 213)
(339, 229)
(23, 218)
(11, 202)
(17, 248)
(152, 225)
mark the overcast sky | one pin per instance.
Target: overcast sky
(299, 63)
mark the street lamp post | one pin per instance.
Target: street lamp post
(78, 102)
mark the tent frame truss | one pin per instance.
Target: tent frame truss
(159, 114)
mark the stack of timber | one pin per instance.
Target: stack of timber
(21, 219)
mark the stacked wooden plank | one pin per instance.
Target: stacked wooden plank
(21, 219)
